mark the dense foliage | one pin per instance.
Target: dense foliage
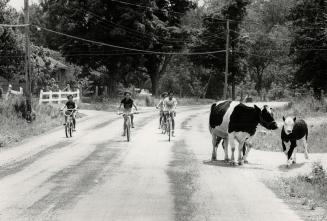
(275, 46)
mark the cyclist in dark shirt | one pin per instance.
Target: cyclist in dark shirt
(70, 109)
(128, 104)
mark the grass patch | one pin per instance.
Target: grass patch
(306, 194)
(14, 128)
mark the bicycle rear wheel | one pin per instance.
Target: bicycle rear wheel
(169, 130)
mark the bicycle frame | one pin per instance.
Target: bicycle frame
(70, 125)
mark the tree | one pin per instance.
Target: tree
(308, 43)
(143, 24)
(11, 52)
(215, 26)
(260, 56)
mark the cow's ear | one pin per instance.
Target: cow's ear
(257, 108)
(283, 118)
(294, 119)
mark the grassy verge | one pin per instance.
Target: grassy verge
(302, 109)
(14, 128)
(307, 195)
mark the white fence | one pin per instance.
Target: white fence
(58, 97)
(13, 92)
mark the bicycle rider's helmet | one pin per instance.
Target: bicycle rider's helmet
(70, 96)
(171, 92)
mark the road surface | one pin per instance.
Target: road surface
(96, 175)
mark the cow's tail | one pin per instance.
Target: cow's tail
(211, 110)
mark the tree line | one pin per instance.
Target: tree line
(274, 46)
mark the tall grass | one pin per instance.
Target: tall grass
(14, 128)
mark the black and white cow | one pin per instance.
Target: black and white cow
(233, 121)
(294, 131)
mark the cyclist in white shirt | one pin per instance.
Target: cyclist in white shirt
(160, 106)
(170, 104)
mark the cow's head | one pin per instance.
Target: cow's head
(266, 117)
(289, 124)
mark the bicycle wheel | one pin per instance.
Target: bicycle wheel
(169, 129)
(128, 129)
(67, 130)
(70, 129)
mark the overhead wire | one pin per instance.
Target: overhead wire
(129, 49)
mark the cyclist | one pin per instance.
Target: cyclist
(170, 104)
(128, 104)
(71, 108)
(161, 106)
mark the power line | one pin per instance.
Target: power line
(130, 49)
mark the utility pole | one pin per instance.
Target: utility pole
(27, 56)
(227, 59)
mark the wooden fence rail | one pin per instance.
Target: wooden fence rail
(58, 97)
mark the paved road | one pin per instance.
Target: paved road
(96, 175)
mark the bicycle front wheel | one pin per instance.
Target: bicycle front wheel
(67, 130)
(71, 129)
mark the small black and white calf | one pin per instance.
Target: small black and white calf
(233, 121)
(294, 131)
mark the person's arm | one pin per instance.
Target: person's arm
(160, 102)
(175, 104)
(121, 103)
(134, 106)
(63, 107)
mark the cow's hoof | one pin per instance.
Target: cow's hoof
(240, 162)
(226, 160)
(293, 162)
(232, 163)
(246, 161)
(213, 159)
(307, 157)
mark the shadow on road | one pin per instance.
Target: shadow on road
(222, 163)
(284, 168)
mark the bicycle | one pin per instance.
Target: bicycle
(168, 124)
(70, 124)
(127, 124)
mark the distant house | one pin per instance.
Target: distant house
(61, 72)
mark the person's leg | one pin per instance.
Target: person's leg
(132, 120)
(173, 123)
(124, 126)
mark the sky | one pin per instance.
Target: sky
(19, 4)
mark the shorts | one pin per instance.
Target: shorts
(127, 111)
(172, 113)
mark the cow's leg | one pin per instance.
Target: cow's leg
(305, 146)
(248, 148)
(294, 156)
(225, 146)
(231, 138)
(214, 149)
(290, 153)
(215, 142)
